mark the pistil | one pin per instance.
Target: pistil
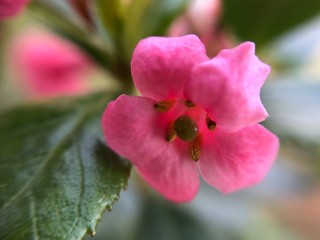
(185, 128)
(189, 121)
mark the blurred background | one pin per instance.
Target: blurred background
(88, 47)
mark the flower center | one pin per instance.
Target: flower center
(185, 128)
(189, 124)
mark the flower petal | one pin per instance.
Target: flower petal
(231, 161)
(173, 173)
(161, 66)
(228, 87)
(135, 130)
(132, 128)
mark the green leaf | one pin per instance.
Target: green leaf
(56, 174)
(105, 15)
(264, 20)
(48, 13)
(52, 14)
(96, 53)
(149, 18)
(162, 220)
(108, 16)
(160, 15)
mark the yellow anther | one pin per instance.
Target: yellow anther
(188, 103)
(195, 148)
(210, 124)
(171, 134)
(164, 106)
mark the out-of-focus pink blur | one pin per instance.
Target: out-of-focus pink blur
(10, 8)
(48, 66)
(202, 18)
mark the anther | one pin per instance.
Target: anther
(188, 103)
(195, 148)
(210, 124)
(171, 134)
(164, 106)
(185, 128)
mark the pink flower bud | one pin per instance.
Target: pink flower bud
(10, 8)
(48, 66)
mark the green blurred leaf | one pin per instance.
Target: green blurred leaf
(160, 15)
(264, 20)
(161, 220)
(105, 15)
(50, 14)
(149, 18)
(56, 174)
(107, 12)
(96, 53)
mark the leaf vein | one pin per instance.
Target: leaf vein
(31, 128)
(33, 218)
(82, 188)
(51, 154)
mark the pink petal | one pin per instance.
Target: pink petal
(161, 66)
(173, 173)
(43, 71)
(136, 131)
(9, 8)
(228, 87)
(133, 129)
(231, 161)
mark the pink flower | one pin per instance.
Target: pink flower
(9, 8)
(49, 66)
(194, 115)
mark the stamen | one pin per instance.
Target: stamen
(210, 124)
(195, 148)
(171, 134)
(188, 103)
(164, 106)
(185, 128)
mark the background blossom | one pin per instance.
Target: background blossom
(9, 8)
(48, 65)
